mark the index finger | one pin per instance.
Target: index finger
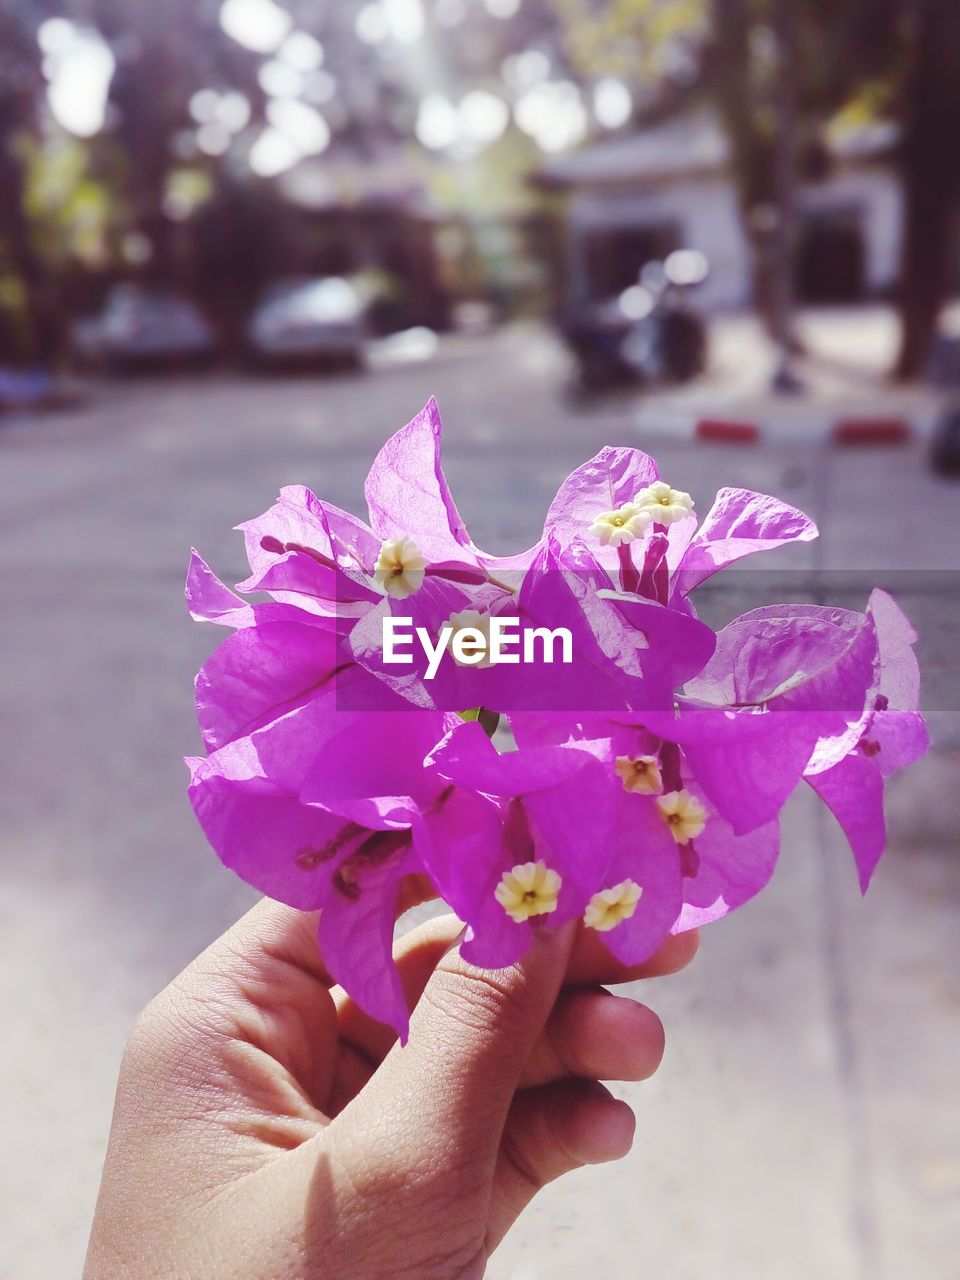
(418, 952)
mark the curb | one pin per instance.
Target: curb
(732, 432)
(862, 431)
(847, 432)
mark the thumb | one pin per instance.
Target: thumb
(449, 1090)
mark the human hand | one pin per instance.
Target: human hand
(266, 1129)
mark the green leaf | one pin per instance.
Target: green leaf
(488, 720)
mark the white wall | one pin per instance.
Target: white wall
(706, 211)
(876, 196)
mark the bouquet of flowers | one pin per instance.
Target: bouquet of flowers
(349, 716)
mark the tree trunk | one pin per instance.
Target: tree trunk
(926, 262)
(784, 94)
(930, 174)
(31, 332)
(752, 152)
(32, 327)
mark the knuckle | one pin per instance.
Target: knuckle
(520, 1163)
(479, 998)
(146, 1033)
(164, 1038)
(466, 1261)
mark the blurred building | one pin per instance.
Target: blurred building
(636, 197)
(405, 222)
(375, 219)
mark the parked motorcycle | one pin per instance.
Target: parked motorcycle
(651, 334)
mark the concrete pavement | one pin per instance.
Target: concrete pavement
(842, 365)
(804, 1122)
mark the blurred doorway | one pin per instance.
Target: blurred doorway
(614, 257)
(830, 262)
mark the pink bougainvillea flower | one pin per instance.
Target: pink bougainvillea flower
(308, 553)
(740, 523)
(607, 483)
(746, 760)
(784, 687)
(546, 862)
(624, 651)
(662, 521)
(668, 838)
(317, 810)
(893, 735)
(440, 603)
(637, 897)
(408, 495)
(325, 571)
(839, 687)
(279, 656)
(409, 503)
(644, 794)
(210, 600)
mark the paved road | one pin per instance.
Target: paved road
(804, 1122)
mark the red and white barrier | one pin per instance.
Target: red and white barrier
(793, 425)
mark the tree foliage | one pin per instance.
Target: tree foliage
(849, 61)
(68, 204)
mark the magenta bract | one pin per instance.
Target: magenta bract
(639, 782)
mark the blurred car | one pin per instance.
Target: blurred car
(142, 326)
(320, 321)
(24, 389)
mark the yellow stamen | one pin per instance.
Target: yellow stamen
(610, 907)
(663, 504)
(625, 524)
(476, 621)
(640, 775)
(528, 889)
(684, 815)
(400, 567)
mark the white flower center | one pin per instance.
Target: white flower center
(684, 815)
(470, 620)
(610, 907)
(528, 889)
(625, 524)
(663, 504)
(400, 567)
(640, 775)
